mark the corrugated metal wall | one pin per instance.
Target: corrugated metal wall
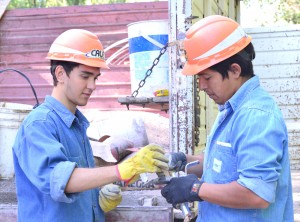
(277, 63)
(26, 35)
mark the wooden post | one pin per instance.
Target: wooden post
(3, 5)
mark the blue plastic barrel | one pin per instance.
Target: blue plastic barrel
(146, 38)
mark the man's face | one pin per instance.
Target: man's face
(218, 89)
(79, 85)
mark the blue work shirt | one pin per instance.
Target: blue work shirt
(50, 143)
(249, 144)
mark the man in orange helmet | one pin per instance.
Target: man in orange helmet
(54, 167)
(245, 170)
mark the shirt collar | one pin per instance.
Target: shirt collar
(66, 115)
(236, 100)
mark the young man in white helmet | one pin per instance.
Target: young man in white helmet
(54, 167)
(244, 173)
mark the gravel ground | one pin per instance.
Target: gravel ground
(7, 192)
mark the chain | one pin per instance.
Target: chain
(149, 71)
(196, 96)
(197, 110)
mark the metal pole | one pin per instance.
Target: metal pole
(181, 104)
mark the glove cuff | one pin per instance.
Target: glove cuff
(118, 172)
(194, 194)
(184, 161)
(120, 176)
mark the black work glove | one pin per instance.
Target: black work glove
(177, 161)
(182, 189)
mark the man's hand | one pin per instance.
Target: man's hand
(182, 189)
(150, 159)
(177, 161)
(110, 197)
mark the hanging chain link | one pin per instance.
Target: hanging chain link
(149, 71)
(197, 110)
(196, 95)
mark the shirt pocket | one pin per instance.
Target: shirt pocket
(222, 165)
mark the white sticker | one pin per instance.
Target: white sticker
(217, 166)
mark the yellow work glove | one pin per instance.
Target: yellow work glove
(133, 180)
(150, 159)
(110, 197)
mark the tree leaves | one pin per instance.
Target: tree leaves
(57, 3)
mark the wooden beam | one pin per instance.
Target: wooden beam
(3, 5)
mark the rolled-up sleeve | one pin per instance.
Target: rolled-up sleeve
(261, 188)
(44, 161)
(58, 182)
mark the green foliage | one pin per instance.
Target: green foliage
(57, 3)
(19, 4)
(289, 11)
(261, 2)
(35, 3)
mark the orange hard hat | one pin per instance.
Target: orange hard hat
(80, 46)
(210, 41)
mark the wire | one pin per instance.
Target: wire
(22, 74)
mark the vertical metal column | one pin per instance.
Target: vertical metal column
(181, 104)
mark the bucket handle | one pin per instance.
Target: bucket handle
(153, 41)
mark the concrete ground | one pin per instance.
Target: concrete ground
(296, 194)
(8, 200)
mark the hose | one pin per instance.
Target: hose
(22, 74)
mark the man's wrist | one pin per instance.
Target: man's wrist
(195, 191)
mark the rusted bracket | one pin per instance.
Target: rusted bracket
(160, 102)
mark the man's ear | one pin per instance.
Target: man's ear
(60, 73)
(235, 69)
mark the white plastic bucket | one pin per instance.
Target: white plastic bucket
(11, 117)
(146, 38)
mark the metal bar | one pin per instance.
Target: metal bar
(181, 87)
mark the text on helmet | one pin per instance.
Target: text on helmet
(96, 53)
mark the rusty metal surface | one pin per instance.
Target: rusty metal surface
(131, 210)
(181, 92)
(158, 103)
(138, 214)
(8, 203)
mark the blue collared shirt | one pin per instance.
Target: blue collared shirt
(50, 143)
(249, 144)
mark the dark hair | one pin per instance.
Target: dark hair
(68, 67)
(243, 59)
